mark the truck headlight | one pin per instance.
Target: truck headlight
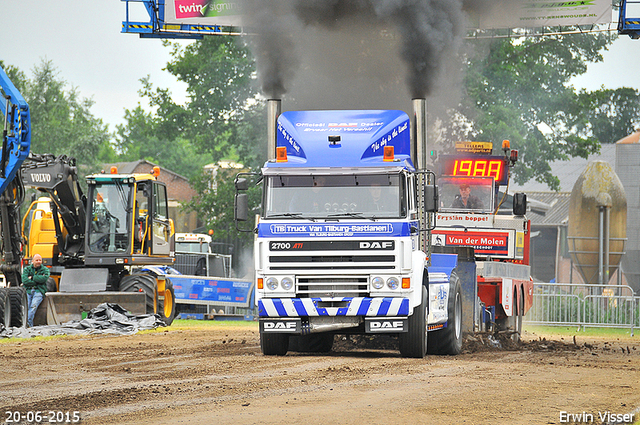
(286, 283)
(377, 282)
(272, 283)
(393, 283)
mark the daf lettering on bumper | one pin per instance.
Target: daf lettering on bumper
(386, 325)
(292, 326)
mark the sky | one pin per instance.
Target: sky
(83, 40)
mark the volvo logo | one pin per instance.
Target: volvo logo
(40, 177)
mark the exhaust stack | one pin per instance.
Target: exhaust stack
(419, 134)
(419, 158)
(274, 108)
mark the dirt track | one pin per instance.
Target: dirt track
(218, 375)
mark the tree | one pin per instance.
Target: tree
(519, 90)
(215, 202)
(224, 116)
(609, 114)
(61, 121)
(141, 139)
(17, 77)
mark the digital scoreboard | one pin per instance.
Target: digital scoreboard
(476, 166)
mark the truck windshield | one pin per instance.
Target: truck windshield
(326, 196)
(466, 194)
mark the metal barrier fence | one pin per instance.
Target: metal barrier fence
(563, 304)
(203, 264)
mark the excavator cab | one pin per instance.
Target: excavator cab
(127, 221)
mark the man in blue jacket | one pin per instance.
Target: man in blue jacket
(34, 279)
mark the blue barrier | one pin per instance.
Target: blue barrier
(212, 290)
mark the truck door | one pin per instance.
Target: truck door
(161, 227)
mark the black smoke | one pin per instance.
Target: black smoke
(428, 29)
(350, 42)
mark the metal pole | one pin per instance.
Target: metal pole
(607, 234)
(558, 242)
(600, 244)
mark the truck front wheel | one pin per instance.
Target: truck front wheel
(413, 343)
(449, 339)
(274, 344)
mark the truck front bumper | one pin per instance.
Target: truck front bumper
(354, 306)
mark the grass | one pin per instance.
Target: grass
(588, 331)
(180, 324)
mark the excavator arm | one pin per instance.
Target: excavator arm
(16, 136)
(16, 141)
(58, 177)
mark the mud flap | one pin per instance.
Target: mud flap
(386, 324)
(281, 325)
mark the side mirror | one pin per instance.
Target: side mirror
(241, 200)
(519, 204)
(241, 207)
(241, 184)
(431, 198)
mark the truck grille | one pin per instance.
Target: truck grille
(332, 286)
(333, 262)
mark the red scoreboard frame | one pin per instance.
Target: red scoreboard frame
(476, 166)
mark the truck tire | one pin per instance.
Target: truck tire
(5, 307)
(448, 341)
(19, 307)
(274, 344)
(413, 343)
(313, 343)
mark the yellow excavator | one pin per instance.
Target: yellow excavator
(93, 244)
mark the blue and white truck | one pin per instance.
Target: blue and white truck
(342, 240)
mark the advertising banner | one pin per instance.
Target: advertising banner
(213, 290)
(203, 12)
(537, 13)
(503, 14)
(288, 230)
(484, 243)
